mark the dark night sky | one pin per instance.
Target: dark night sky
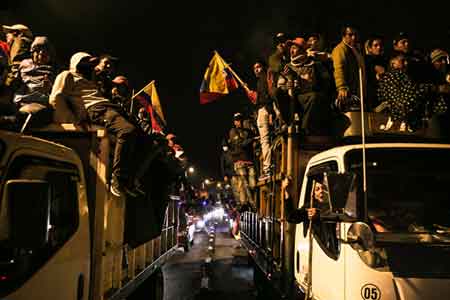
(172, 43)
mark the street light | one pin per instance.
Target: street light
(191, 170)
(207, 181)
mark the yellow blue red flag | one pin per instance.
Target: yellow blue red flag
(217, 81)
(149, 98)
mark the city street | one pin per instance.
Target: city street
(213, 268)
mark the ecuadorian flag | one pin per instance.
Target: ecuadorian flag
(217, 81)
(149, 98)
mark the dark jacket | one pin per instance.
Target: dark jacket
(263, 98)
(241, 144)
(372, 61)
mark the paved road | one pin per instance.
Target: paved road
(219, 273)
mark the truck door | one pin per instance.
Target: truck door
(60, 268)
(326, 275)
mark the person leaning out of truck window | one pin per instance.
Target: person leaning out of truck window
(324, 231)
(320, 205)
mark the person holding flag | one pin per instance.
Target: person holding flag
(266, 111)
(148, 98)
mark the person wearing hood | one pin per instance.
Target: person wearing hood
(310, 83)
(76, 98)
(36, 74)
(33, 84)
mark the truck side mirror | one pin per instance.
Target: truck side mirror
(342, 194)
(360, 236)
(28, 205)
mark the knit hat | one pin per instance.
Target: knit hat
(436, 54)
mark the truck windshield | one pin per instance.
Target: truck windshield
(408, 190)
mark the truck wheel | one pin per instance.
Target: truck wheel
(158, 285)
(151, 289)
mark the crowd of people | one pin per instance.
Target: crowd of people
(306, 84)
(34, 92)
(301, 82)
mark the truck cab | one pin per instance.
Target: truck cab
(389, 240)
(64, 235)
(44, 221)
(383, 230)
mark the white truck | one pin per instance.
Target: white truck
(63, 235)
(385, 232)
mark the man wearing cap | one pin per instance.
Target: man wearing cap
(19, 38)
(309, 82)
(241, 142)
(105, 72)
(276, 62)
(418, 68)
(77, 99)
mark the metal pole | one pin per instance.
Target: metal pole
(363, 138)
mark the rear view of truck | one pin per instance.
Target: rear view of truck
(64, 235)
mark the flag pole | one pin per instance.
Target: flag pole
(132, 101)
(143, 88)
(244, 85)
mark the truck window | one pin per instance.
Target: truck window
(407, 189)
(19, 264)
(324, 232)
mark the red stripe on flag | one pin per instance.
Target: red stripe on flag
(209, 97)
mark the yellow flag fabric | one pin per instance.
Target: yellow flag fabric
(217, 81)
(149, 92)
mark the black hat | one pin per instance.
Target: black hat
(280, 37)
(400, 36)
(237, 117)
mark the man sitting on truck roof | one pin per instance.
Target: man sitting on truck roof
(34, 82)
(77, 98)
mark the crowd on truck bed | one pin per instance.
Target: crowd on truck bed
(303, 83)
(34, 93)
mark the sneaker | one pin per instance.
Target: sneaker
(116, 189)
(264, 177)
(119, 190)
